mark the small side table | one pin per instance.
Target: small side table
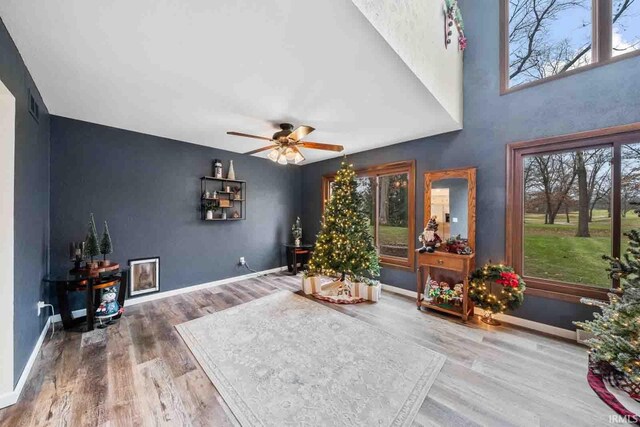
(80, 281)
(295, 253)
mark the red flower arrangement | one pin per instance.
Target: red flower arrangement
(509, 279)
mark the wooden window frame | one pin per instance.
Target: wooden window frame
(408, 167)
(602, 33)
(614, 137)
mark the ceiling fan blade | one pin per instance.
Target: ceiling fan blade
(268, 147)
(249, 136)
(300, 133)
(321, 146)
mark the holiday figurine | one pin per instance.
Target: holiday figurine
(109, 306)
(429, 238)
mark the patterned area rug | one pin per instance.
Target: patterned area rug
(285, 360)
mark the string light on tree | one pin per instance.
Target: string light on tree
(344, 245)
(615, 346)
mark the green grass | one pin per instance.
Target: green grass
(553, 252)
(393, 236)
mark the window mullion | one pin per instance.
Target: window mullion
(602, 30)
(376, 209)
(616, 204)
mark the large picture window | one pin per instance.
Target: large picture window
(570, 200)
(388, 193)
(543, 39)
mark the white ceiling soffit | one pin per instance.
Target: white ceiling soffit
(193, 70)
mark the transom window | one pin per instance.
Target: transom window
(570, 201)
(388, 193)
(549, 38)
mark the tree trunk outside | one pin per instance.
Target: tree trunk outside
(566, 212)
(583, 197)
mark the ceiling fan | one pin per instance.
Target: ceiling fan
(287, 143)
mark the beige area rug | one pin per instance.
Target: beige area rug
(284, 360)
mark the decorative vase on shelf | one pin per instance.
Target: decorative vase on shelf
(224, 214)
(209, 214)
(217, 168)
(297, 242)
(232, 173)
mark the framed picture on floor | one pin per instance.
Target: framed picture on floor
(145, 276)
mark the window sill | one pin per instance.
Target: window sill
(397, 263)
(563, 291)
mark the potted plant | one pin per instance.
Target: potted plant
(296, 230)
(210, 208)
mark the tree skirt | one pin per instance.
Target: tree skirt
(286, 360)
(600, 388)
(339, 299)
(338, 292)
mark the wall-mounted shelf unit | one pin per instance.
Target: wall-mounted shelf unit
(224, 196)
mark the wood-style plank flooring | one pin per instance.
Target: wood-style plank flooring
(140, 372)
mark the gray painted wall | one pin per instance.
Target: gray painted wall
(598, 98)
(31, 202)
(148, 189)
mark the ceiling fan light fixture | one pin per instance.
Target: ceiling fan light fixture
(298, 157)
(273, 155)
(290, 153)
(282, 159)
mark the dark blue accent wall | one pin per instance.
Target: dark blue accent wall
(31, 201)
(148, 189)
(601, 97)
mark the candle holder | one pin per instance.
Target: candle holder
(76, 254)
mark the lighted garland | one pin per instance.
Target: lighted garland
(496, 288)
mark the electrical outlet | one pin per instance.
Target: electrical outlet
(41, 305)
(242, 261)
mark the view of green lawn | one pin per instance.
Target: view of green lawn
(552, 251)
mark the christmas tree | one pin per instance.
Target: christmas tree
(105, 243)
(616, 331)
(344, 245)
(92, 248)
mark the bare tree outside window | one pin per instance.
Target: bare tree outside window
(568, 216)
(550, 37)
(626, 26)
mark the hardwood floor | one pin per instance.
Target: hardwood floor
(140, 372)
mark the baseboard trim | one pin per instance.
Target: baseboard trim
(505, 318)
(11, 398)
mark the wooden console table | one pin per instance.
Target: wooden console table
(461, 264)
(86, 281)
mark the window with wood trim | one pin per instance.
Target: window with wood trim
(388, 192)
(543, 39)
(570, 199)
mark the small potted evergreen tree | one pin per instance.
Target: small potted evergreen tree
(92, 247)
(106, 247)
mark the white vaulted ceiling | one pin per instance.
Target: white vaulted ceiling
(192, 70)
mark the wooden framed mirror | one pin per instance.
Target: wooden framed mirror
(450, 195)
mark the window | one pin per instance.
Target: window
(570, 200)
(543, 39)
(388, 192)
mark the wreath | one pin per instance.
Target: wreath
(496, 288)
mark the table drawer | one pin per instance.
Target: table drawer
(444, 262)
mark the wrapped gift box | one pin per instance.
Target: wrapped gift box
(368, 292)
(311, 285)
